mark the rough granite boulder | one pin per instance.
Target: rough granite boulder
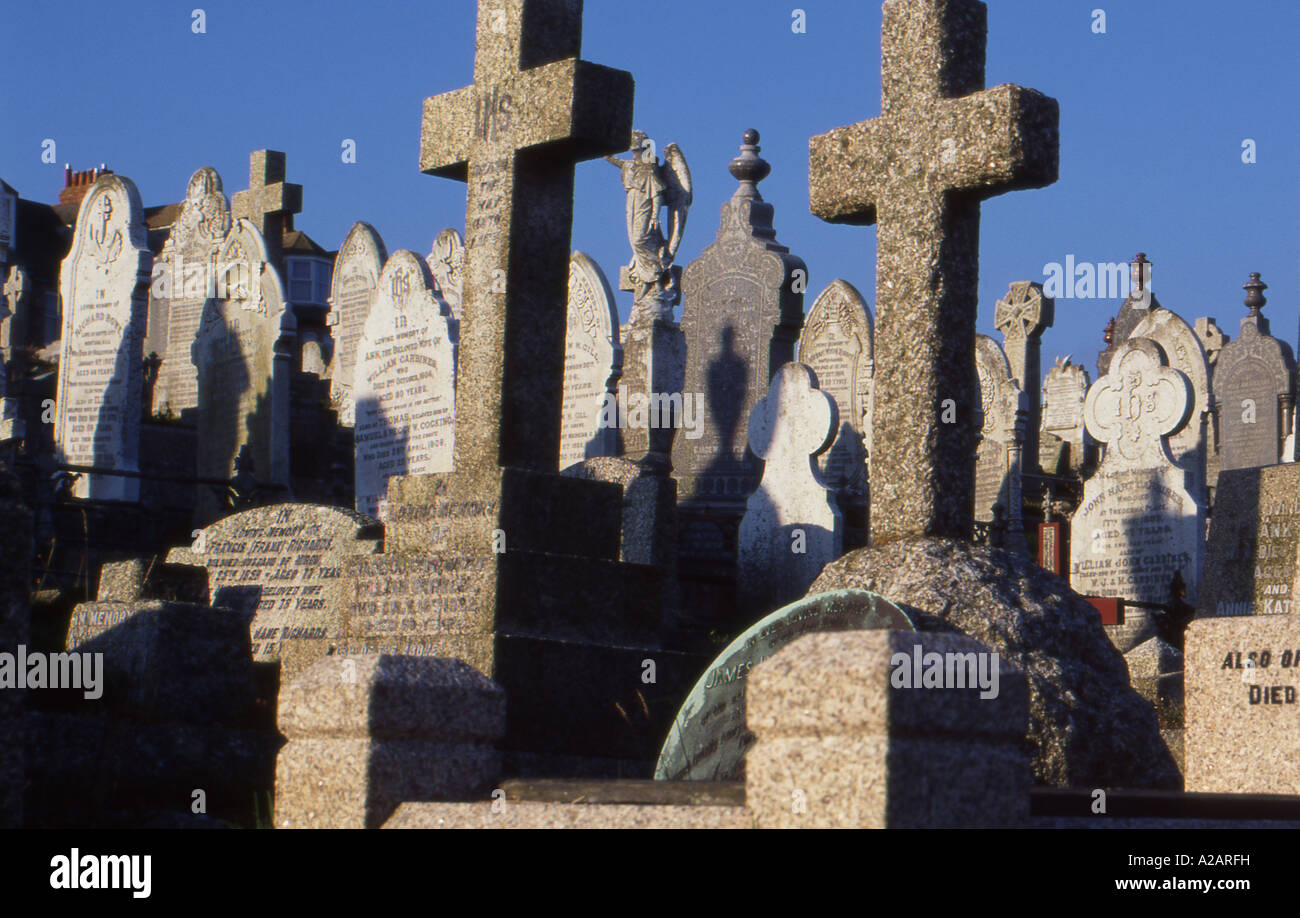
(1087, 725)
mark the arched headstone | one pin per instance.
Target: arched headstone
(405, 385)
(353, 291)
(838, 344)
(184, 280)
(243, 355)
(104, 284)
(593, 363)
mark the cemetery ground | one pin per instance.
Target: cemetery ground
(373, 539)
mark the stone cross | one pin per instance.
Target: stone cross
(1022, 316)
(534, 111)
(791, 528)
(270, 202)
(942, 144)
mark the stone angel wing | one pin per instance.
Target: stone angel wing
(680, 193)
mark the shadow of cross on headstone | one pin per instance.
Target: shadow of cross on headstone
(791, 528)
(534, 111)
(942, 144)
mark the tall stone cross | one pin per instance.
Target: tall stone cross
(1022, 316)
(534, 111)
(270, 202)
(942, 144)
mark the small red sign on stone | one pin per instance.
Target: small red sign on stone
(1052, 543)
(1110, 607)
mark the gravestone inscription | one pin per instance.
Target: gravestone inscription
(741, 316)
(1243, 697)
(284, 565)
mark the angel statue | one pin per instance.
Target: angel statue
(650, 187)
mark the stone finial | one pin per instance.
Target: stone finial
(1109, 334)
(749, 168)
(1140, 271)
(1255, 298)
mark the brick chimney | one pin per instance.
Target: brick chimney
(76, 184)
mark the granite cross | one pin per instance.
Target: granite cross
(942, 144)
(270, 202)
(534, 111)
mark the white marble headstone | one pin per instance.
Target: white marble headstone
(1138, 525)
(593, 364)
(405, 383)
(353, 290)
(791, 528)
(104, 283)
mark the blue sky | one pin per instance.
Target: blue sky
(1153, 116)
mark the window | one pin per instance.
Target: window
(309, 281)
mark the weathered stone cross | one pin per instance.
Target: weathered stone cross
(534, 111)
(942, 144)
(270, 202)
